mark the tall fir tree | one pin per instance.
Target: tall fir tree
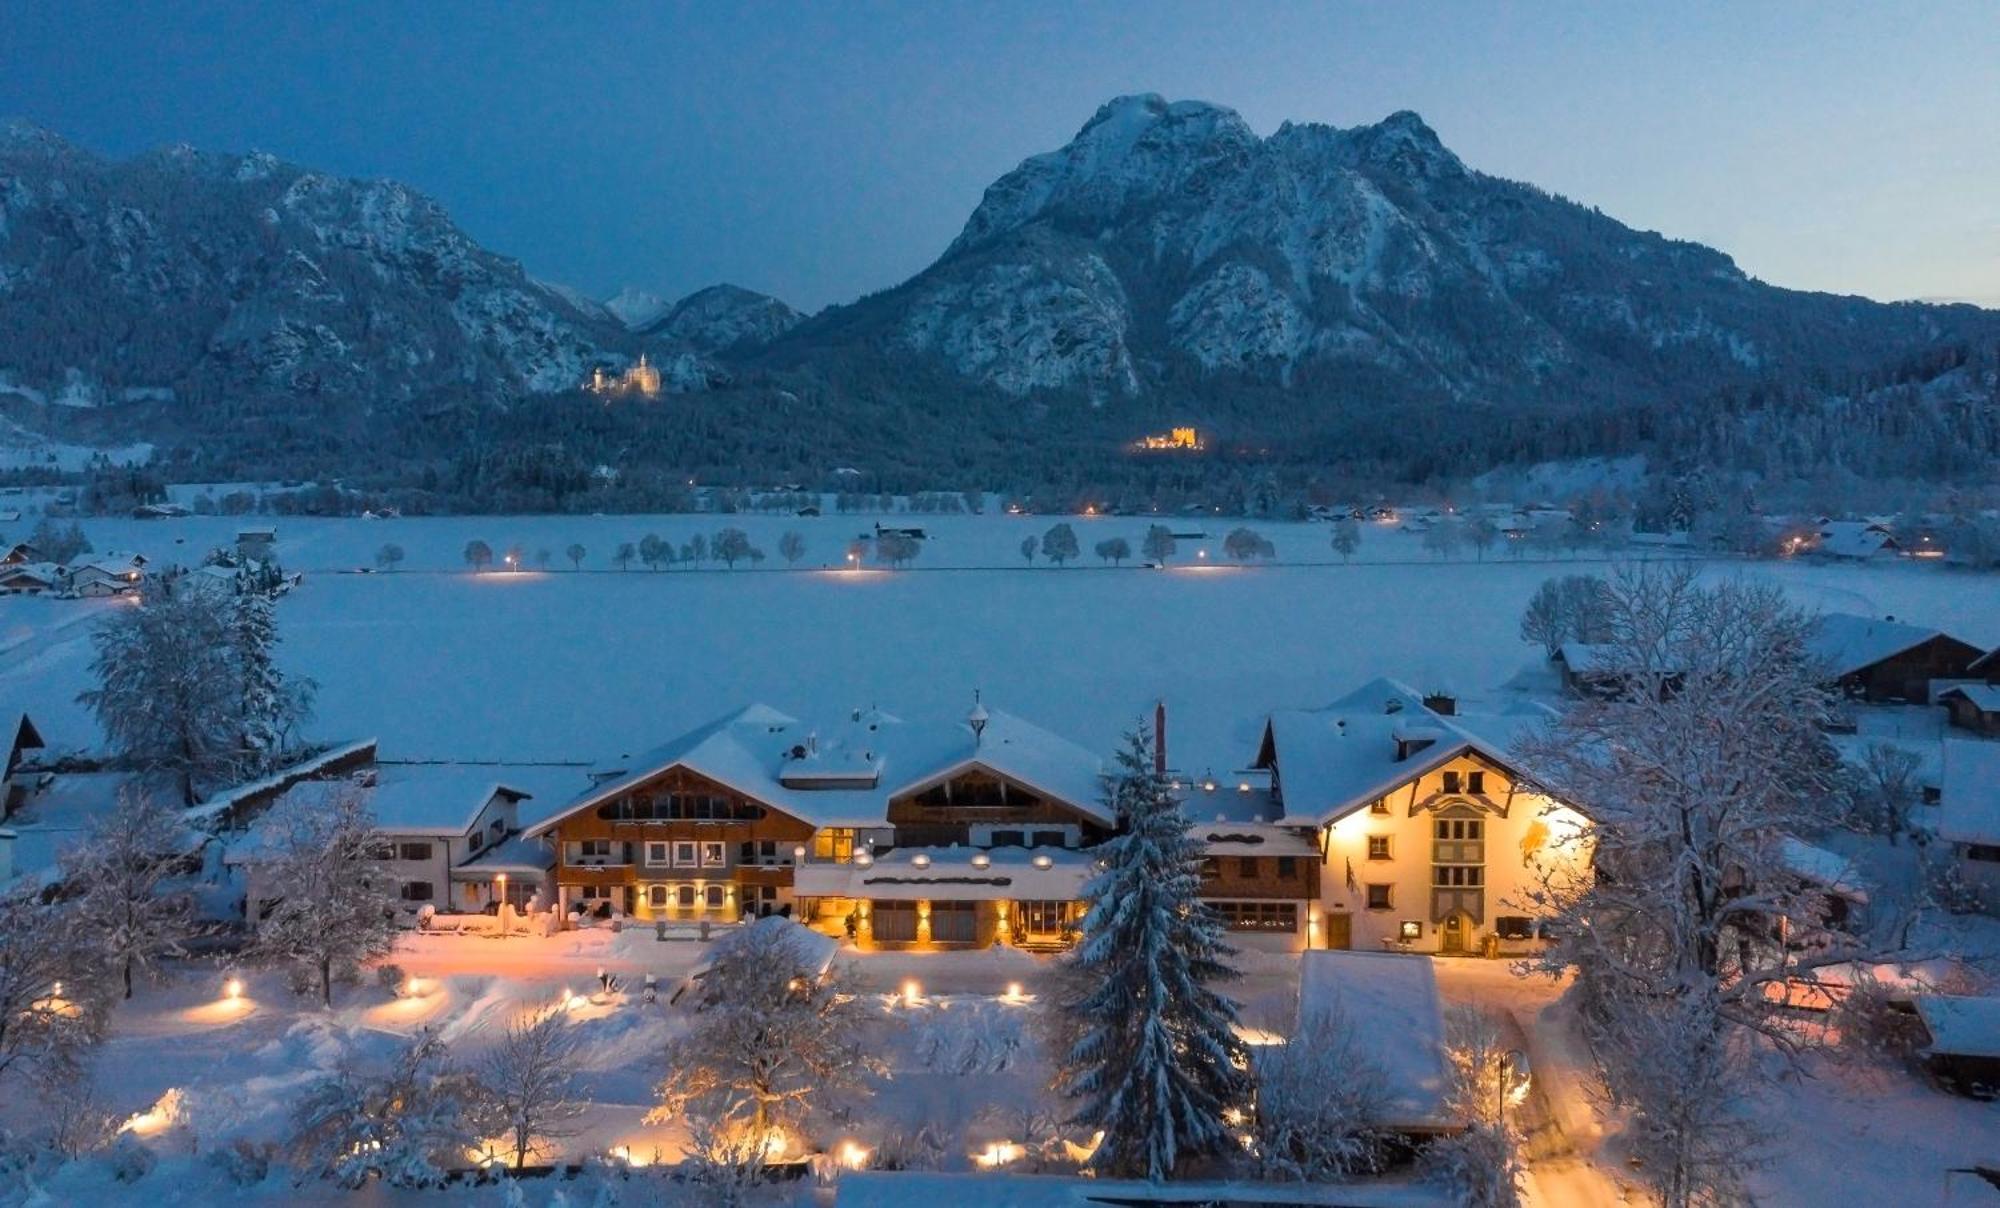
(1156, 1060)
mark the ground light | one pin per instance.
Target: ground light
(999, 1153)
(233, 989)
(1013, 991)
(912, 992)
(853, 1155)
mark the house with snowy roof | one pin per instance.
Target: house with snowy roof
(30, 578)
(449, 834)
(103, 577)
(1855, 540)
(1886, 659)
(1430, 830)
(22, 737)
(1973, 706)
(1968, 816)
(939, 832)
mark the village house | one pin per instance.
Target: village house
(1887, 659)
(966, 832)
(103, 577)
(1968, 817)
(30, 578)
(257, 541)
(448, 833)
(1429, 837)
(1974, 707)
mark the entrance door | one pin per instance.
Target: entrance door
(1339, 929)
(1451, 937)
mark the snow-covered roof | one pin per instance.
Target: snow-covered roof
(1847, 642)
(516, 855)
(282, 779)
(1584, 658)
(1969, 799)
(912, 873)
(1830, 871)
(1961, 1025)
(1984, 697)
(845, 773)
(63, 808)
(1390, 1002)
(1853, 539)
(925, 1189)
(1336, 760)
(435, 798)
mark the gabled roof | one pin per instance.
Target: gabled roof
(22, 735)
(1969, 798)
(846, 773)
(1386, 994)
(1961, 1025)
(1336, 760)
(1984, 697)
(435, 798)
(1847, 642)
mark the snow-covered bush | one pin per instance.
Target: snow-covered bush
(244, 1163)
(409, 1126)
(390, 977)
(1320, 1103)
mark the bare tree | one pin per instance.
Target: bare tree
(771, 1039)
(1688, 780)
(1059, 544)
(1890, 787)
(792, 547)
(1346, 537)
(530, 1086)
(623, 555)
(127, 911)
(731, 546)
(390, 556)
(1243, 544)
(337, 908)
(1029, 547)
(575, 553)
(653, 550)
(1481, 1164)
(52, 999)
(1446, 537)
(896, 548)
(1158, 545)
(1114, 550)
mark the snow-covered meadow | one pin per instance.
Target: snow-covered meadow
(564, 666)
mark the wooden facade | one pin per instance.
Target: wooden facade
(742, 852)
(1907, 676)
(967, 809)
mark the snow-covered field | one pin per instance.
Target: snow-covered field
(573, 666)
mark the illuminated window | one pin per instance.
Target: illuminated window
(836, 844)
(1378, 847)
(1380, 808)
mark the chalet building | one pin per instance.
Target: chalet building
(1887, 659)
(1974, 707)
(30, 578)
(895, 833)
(103, 578)
(1855, 541)
(1968, 818)
(1428, 836)
(450, 834)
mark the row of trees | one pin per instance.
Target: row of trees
(728, 546)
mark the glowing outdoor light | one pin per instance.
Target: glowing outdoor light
(853, 1155)
(409, 987)
(999, 1153)
(799, 854)
(920, 860)
(1013, 991)
(863, 859)
(912, 992)
(233, 989)
(1044, 862)
(982, 860)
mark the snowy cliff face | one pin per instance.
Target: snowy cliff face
(214, 275)
(722, 318)
(1168, 234)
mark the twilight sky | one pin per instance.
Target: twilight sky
(823, 150)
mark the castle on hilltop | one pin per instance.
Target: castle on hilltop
(641, 379)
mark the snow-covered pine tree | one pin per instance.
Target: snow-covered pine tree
(126, 911)
(166, 693)
(339, 907)
(269, 706)
(1157, 1061)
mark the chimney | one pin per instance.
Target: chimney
(1160, 739)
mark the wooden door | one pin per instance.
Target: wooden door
(1339, 929)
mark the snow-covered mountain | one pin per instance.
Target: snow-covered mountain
(722, 318)
(1168, 248)
(200, 276)
(635, 307)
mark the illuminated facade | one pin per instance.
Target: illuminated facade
(1186, 440)
(642, 379)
